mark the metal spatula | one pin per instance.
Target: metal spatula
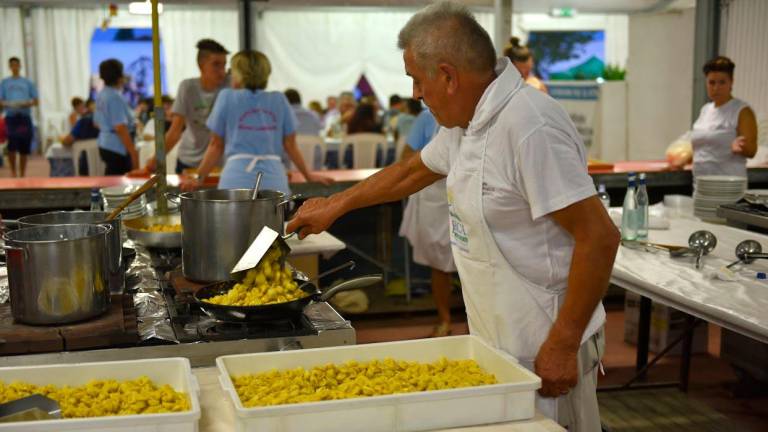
(30, 408)
(259, 248)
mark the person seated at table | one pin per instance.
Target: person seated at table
(347, 107)
(405, 120)
(724, 135)
(364, 120)
(307, 121)
(84, 129)
(78, 110)
(317, 108)
(252, 128)
(148, 134)
(389, 119)
(115, 121)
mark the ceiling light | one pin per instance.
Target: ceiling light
(143, 8)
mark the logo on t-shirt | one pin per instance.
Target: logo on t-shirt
(258, 119)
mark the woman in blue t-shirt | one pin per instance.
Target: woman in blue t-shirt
(115, 121)
(252, 128)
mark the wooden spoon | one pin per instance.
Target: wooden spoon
(139, 192)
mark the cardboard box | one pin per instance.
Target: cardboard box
(666, 325)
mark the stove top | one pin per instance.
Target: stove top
(753, 217)
(191, 324)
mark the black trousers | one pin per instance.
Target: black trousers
(116, 164)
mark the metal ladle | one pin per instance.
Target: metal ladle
(747, 252)
(703, 242)
(256, 186)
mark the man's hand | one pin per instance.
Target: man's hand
(314, 216)
(557, 365)
(737, 146)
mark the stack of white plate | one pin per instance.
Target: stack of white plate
(114, 196)
(712, 191)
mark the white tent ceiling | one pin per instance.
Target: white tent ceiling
(520, 6)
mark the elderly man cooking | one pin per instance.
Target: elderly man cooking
(532, 243)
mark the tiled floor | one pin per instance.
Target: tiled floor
(37, 166)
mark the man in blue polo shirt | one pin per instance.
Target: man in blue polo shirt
(17, 96)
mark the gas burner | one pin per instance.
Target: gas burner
(210, 329)
(165, 259)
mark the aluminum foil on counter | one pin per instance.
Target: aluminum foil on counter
(5, 290)
(152, 316)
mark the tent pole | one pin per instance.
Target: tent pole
(162, 185)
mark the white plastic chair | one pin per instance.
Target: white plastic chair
(364, 146)
(96, 166)
(309, 146)
(147, 151)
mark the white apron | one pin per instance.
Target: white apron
(240, 170)
(426, 227)
(503, 307)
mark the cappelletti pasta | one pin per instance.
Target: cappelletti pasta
(100, 398)
(357, 379)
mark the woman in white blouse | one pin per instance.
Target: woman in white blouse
(725, 134)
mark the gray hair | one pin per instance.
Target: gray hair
(447, 31)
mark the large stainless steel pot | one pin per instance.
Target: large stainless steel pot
(219, 225)
(58, 273)
(114, 239)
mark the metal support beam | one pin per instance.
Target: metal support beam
(502, 24)
(246, 24)
(162, 186)
(643, 336)
(705, 46)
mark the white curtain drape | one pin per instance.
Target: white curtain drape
(11, 36)
(61, 40)
(180, 29)
(322, 53)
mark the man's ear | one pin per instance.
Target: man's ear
(449, 76)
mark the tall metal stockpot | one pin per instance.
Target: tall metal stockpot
(218, 225)
(58, 273)
(114, 239)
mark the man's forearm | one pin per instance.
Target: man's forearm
(393, 183)
(591, 266)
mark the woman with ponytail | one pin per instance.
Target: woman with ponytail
(252, 128)
(522, 58)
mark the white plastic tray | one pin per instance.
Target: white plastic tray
(511, 399)
(173, 371)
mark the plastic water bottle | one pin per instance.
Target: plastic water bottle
(642, 209)
(604, 197)
(95, 200)
(629, 212)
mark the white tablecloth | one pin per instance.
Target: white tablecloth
(740, 305)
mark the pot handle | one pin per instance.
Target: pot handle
(108, 227)
(351, 284)
(171, 196)
(287, 200)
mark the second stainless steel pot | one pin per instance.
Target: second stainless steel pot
(219, 225)
(114, 240)
(58, 273)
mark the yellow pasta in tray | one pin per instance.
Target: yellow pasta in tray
(100, 398)
(357, 379)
